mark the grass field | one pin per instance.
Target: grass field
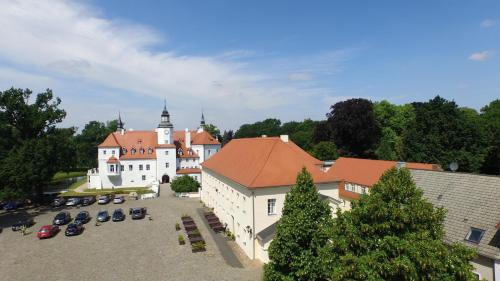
(61, 176)
(96, 192)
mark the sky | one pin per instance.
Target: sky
(243, 61)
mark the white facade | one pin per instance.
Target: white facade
(246, 212)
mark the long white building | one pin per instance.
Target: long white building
(128, 158)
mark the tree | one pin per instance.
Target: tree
(212, 130)
(390, 146)
(269, 127)
(322, 132)
(490, 116)
(394, 234)
(443, 133)
(32, 148)
(325, 150)
(354, 128)
(184, 184)
(87, 141)
(227, 136)
(395, 117)
(300, 233)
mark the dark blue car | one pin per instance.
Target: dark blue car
(12, 205)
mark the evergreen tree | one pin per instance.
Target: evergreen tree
(394, 234)
(300, 233)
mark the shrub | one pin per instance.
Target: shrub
(184, 184)
(177, 226)
(198, 245)
(181, 240)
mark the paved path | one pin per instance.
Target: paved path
(221, 243)
(81, 188)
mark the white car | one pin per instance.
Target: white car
(73, 201)
(119, 199)
(103, 200)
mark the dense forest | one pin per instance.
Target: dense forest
(33, 148)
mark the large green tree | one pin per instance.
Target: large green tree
(270, 127)
(227, 136)
(355, 130)
(443, 133)
(325, 150)
(394, 234)
(184, 184)
(32, 148)
(300, 234)
(490, 116)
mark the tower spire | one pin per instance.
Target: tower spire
(120, 124)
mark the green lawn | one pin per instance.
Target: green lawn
(61, 176)
(96, 192)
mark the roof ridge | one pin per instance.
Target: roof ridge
(116, 140)
(263, 166)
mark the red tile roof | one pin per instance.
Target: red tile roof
(366, 171)
(264, 162)
(189, 171)
(112, 160)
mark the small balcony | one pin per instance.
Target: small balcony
(113, 168)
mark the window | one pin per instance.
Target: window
(271, 206)
(166, 165)
(140, 167)
(124, 150)
(113, 152)
(142, 150)
(130, 168)
(104, 151)
(112, 168)
(148, 167)
(166, 152)
(122, 168)
(132, 151)
(150, 150)
(474, 235)
(143, 177)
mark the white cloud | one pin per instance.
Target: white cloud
(73, 44)
(489, 23)
(481, 56)
(300, 76)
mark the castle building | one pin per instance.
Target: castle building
(128, 158)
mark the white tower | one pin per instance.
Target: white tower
(165, 128)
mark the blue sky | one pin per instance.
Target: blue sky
(245, 61)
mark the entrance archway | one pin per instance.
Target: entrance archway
(165, 179)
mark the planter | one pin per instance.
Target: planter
(190, 227)
(197, 250)
(188, 218)
(182, 242)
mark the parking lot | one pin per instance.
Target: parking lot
(129, 250)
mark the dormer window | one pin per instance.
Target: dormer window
(132, 151)
(124, 150)
(150, 150)
(474, 235)
(190, 151)
(139, 141)
(142, 150)
(180, 152)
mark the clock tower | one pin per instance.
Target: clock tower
(165, 128)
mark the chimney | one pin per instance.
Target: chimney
(400, 165)
(284, 138)
(187, 138)
(122, 131)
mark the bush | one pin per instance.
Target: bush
(177, 226)
(198, 245)
(184, 184)
(181, 240)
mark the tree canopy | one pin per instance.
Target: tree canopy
(87, 141)
(31, 146)
(184, 183)
(394, 234)
(300, 233)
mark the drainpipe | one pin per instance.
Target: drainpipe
(253, 225)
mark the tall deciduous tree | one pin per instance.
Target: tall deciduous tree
(227, 136)
(325, 150)
(33, 149)
(394, 234)
(87, 141)
(294, 251)
(354, 128)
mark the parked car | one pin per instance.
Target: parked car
(119, 199)
(74, 229)
(83, 217)
(47, 231)
(13, 205)
(89, 200)
(102, 216)
(75, 201)
(137, 213)
(23, 223)
(59, 201)
(104, 199)
(118, 215)
(2, 204)
(62, 218)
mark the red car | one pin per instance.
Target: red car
(48, 231)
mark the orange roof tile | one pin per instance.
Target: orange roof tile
(204, 138)
(264, 162)
(366, 171)
(189, 171)
(112, 160)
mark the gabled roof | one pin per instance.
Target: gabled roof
(188, 171)
(470, 200)
(137, 140)
(264, 162)
(112, 160)
(366, 171)
(200, 138)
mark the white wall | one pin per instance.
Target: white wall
(163, 156)
(185, 163)
(209, 150)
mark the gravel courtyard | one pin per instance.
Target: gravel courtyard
(128, 250)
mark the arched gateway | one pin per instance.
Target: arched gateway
(165, 179)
